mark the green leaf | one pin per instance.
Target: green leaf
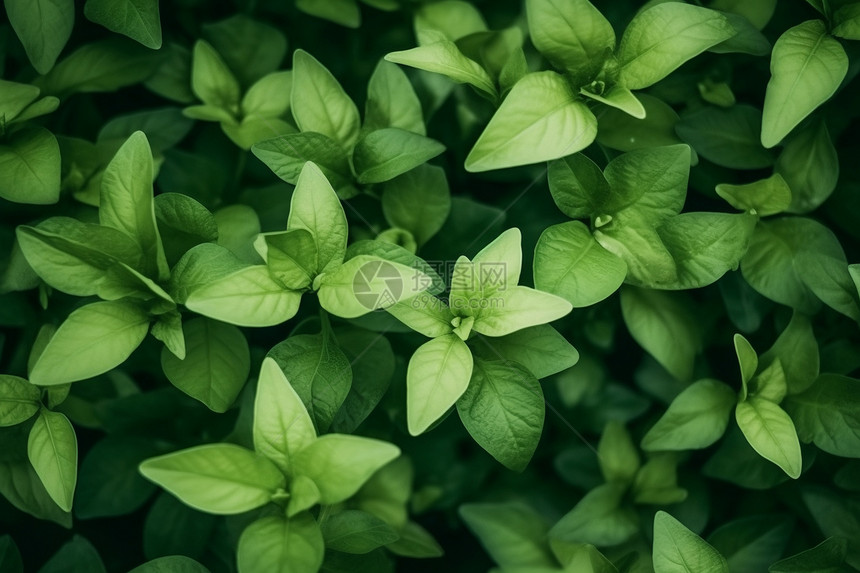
(826, 557)
(438, 375)
(250, 61)
(79, 552)
(415, 541)
(267, 97)
(617, 456)
(19, 400)
(661, 38)
(171, 564)
(771, 433)
(518, 307)
(752, 543)
(137, 19)
(164, 128)
(31, 158)
(290, 256)
(598, 518)
(23, 489)
(570, 263)
(318, 371)
(541, 349)
(93, 339)
(248, 297)
(425, 314)
(695, 419)
(199, 266)
(541, 119)
(656, 482)
(53, 450)
(620, 98)
(664, 325)
(183, 223)
(847, 22)
(10, 557)
(340, 464)
(126, 202)
(810, 166)
(282, 425)
(366, 283)
(572, 34)
(212, 81)
(102, 66)
(343, 12)
(578, 186)
(216, 364)
(319, 103)
(391, 101)
(728, 137)
(440, 55)
(316, 208)
(43, 26)
(108, 482)
(223, 479)
(828, 414)
(455, 19)
(748, 361)
(280, 545)
(836, 515)
(286, 155)
(357, 532)
(384, 154)
(512, 533)
(418, 201)
(797, 350)
(679, 550)
(763, 197)
(619, 130)
(503, 410)
(304, 494)
(807, 65)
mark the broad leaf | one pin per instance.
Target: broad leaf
(828, 414)
(438, 374)
(763, 197)
(53, 450)
(316, 208)
(826, 557)
(43, 26)
(31, 159)
(578, 186)
(212, 81)
(92, 340)
(356, 532)
(807, 65)
(728, 137)
(541, 349)
(679, 550)
(810, 166)
(137, 19)
(797, 350)
(598, 518)
(695, 419)
(418, 201)
(224, 479)
(384, 154)
(512, 533)
(391, 101)
(519, 307)
(278, 545)
(19, 400)
(616, 455)
(770, 431)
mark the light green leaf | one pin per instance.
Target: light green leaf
(578, 186)
(93, 339)
(617, 456)
(695, 419)
(357, 532)
(541, 349)
(620, 98)
(636, 241)
(53, 450)
(454, 18)
(747, 359)
(269, 96)
(43, 26)
(286, 155)
(661, 38)
(340, 464)
(316, 208)
(619, 130)
(828, 414)
(728, 137)
(656, 482)
(438, 374)
(518, 307)
(137, 19)
(19, 400)
(572, 34)
(418, 201)
(238, 227)
(319, 103)
(425, 314)
(168, 329)
(281, 422)
(384, 154)
(541, 119)
(201, 265)
(797, 350)
(664, 325)
(304, 494)
(763, 197)
(366, 283)
(512, 533)
(807, 65)
(290, 256)
(212, 81)
(570, 263)
(598, 518)
(278, 545)
(679, 550)
(440, 55)
(248, 297)
(223, 479)
(771, 433)
(31, 159)
(318, 371)
(810, 166)
(503, 410)
(216, 364)
(183, 224)
(343, 12)
(769, 383)
(126, 202)
(391, 100)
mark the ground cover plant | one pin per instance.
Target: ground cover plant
(407, 285)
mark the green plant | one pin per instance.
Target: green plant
(615, 237)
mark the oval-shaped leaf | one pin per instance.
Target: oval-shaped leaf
(53, 450)
(770, 431)
(438, 374)
(279, 545)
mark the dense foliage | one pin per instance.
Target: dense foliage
(255, 254)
